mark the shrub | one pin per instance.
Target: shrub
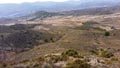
(105, 53)
(3, 65)
(114, 59)
(56, 58)
(70, 53)
(78, 64)
(40, 59)
(107, 33)
(102, 53)
(90, 23)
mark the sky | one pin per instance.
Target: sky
(21, 1)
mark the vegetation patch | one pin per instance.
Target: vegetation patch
(102, 53)
(78, 64)
(28, 39)
(107, 34)
(89, 25)
(70, 53)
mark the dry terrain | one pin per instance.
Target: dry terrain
(90, 40)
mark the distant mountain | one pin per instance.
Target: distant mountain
(8, 21)
(41, 15)
(16, 10)
(93, 11)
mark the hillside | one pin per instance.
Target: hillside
(83, 39)
(40, 15)
(69, 34)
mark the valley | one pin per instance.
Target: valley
(72, 37)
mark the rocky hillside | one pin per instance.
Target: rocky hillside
(80, 46)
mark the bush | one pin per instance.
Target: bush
(105, 53)
(78, 64)
(107, 33)
(114, 59)
(3, 65)
(56, 58)
(102, 53)
(70, 53)
(89, 23)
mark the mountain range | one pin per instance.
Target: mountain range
(16, 10)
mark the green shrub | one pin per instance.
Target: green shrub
(102, 53)
(107, 33)
(55, 58)
(70, 53)
(78, 64)
(105, 53)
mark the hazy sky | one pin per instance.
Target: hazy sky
(20, 1)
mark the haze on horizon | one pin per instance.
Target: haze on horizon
(22, 1)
